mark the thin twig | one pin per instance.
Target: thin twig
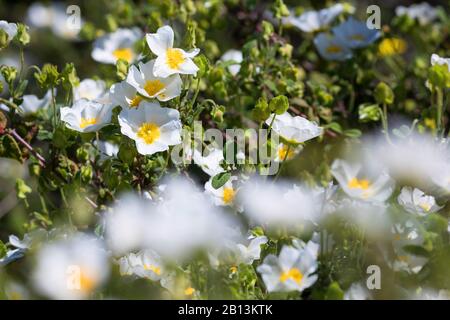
(28, 146)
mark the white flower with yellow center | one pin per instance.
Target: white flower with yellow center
(71, 268)
(223, 196)
(355, 185)
(170, 60)
(89, 89)
(293, 130)
(149, 86)
(125, 95)
(86, 116)
(9, 28)
(211, 162)
(153, 128)
(416, 202)
(286, 152)
(292, 270)
(144, 264)
(117, 45)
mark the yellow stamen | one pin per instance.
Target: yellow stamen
(293, 274)
(233, 269)
(425, 206)
(284, 152)
(87, 283)
(228, 195)
(392, 46)
(150, 267)
(86, 122)
(124, 53)
(334, 49)
(430, 123)
(149, 132)
(189, 291)
(153, 87)
(174, 58)
(359, 184)
(134, 103)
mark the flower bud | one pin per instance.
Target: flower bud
(383, 94)
(279, 104)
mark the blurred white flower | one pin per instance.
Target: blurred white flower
(86, 116)
(89, 89)
(375, 189)
(144, 264)
(152, 127)
(211, 162)
(416, 202)
(292, 270)
(235, 56)
(9, 28)
(294, 130)
(437, 60)
(107, 149)
(16, 291)
(71, 268)
(119, 44)
(149, 86)
(357, 291)
(331, 47)
(32, 104)
(423, 12)
(170, 60)
(247, 253)
(20, 247)
(355, 34)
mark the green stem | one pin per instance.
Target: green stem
(440, 107)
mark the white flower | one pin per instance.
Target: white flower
(294, 130)
(236, 57)
(292, 270)
(86, 116)
(246, 254)
(357, 291)
(9, 28)
(89, 89)
(331, 47)
(355, 34)
(377, 189)
(71, 269)
(20, 247)
(144, 264)
(107, 149)
(210, 163)
(416, 202)
(32, 104)
(223, 196)
(286, 152)
(119, 44)
(423, 12)
(149, 86)
(170, 60)
(153, 128)
(125, 95)
(312, 20)
(437, 60)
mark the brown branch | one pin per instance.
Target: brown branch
(28, 146)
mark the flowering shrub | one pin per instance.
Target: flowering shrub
(224, 149)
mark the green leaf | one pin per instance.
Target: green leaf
(334, 292)
(416, 250)
(336, 127)
(220, 179)
(9, 148)
(353, 133)
(3, 249)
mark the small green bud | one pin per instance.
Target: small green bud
(9, 73)
(279, 104)
(280, 10)
(4, 39)
(86, 173)
(22, 189)
(268, 30)
(286, 50)
(261, 111)
(439, 76)
(22, 34)
(69, 78)
(383, 94)
(48, 76)
(325, 98)
(82, 154)
(369, 112)
(122, 69)
(217, 113)
(203, 65)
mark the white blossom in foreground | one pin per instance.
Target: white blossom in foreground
(292, 270)
(152, 127)
(416, 202)
(293, 130)
(9, 28)
(71, 269)
(170, 60)
(89, 89)
(119, 44)
(375, 189)
(149, 86)
(86, 116)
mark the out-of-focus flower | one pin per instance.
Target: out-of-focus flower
(9, 28)
(416, 202)
(89, 89)
(119, 44)
(86, 116)
(246, 254)
(423, 12)
(20, 247)
(71, 269)
(32, 104)
(312, 20)
(149, 86)
(211, 162)
(236, 56)
(293, 130)
(152, 127)
(144, 264)
(332, 48)
(355, 34)
(437, 60)
(292, 270)
(107, 149)
(377, 189)
(16, 291)
(170, 60)
(287, 152)
(357, 291)
(392, 46)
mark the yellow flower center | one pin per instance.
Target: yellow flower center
(389, 47)
(425, 206)
(189, 291)
(357, 37)
(124, 53)
(430, 123)
(284, 152)
(150, 267)
(334, 49)
(87, 283)
(362, 184)
(153, 87)
(228, 195)
(134, 103)
(174, 58)
(233, 269)
(86, 122)
(403, 258)
(149, 132)
(293, 274)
